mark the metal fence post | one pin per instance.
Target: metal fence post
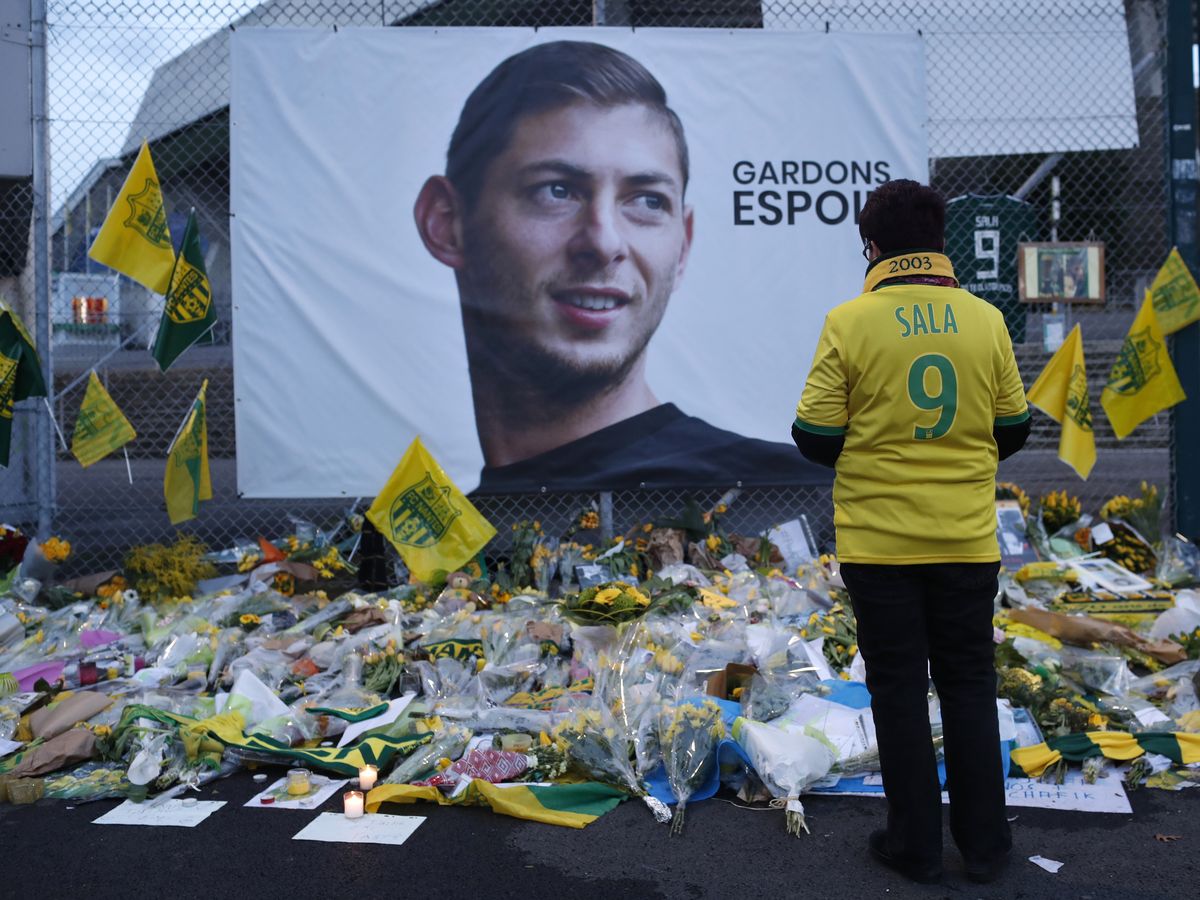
(1181, 161)
(606, 515)
(44, 460)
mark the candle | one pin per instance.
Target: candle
(367, 776)
(353, 801)
(297, 782)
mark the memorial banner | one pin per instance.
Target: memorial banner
(566, 259)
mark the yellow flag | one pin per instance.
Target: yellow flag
(1061, 393)
(1143, 380)
(100, 427)
(429, 521)
(134, 238)
(1176, 297)
(187, 480)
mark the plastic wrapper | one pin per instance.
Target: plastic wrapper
(93, 781)
(688, 734)
(1178, 561)
(448, 744)
(1096, 670)
(788, 759)
(1183, 619)
(597, 750)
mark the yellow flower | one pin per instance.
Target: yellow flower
(249, 619)
(607, 596)
(633, 570)
(722, 509)
(713, 542)
(854, 649)
(648, 527)
(56, 549)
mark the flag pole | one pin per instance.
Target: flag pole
(62, 440)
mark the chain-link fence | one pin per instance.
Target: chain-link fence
(1089, 160)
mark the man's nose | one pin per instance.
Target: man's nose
(599, 237)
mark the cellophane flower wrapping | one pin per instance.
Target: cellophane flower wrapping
(688, 734)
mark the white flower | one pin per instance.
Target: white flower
(130, 596)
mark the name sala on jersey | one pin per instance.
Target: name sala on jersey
(923, 320)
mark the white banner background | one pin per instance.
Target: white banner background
(347, 334)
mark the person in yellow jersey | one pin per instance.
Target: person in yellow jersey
(913, 397)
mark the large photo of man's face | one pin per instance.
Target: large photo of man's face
(563, 213)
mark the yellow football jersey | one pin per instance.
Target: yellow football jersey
(915, 376)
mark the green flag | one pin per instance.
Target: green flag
(187, 481)
(188, 312)
(101, 427)
(20, 372)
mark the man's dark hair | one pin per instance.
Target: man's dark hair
(904, 215)
(540, 79)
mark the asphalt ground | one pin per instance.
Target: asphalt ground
(51, 849)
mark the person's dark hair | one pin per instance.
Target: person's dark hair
(540, 79)
(904, 215)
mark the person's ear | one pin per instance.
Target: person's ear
(438, 214)
(686, 249)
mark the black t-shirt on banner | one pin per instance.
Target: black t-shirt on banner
(660, 448)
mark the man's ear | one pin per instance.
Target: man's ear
(438, 214)
(686, 249)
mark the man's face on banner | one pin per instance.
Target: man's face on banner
(577, 240)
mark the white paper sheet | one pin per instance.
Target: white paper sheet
(1050, 865)
(322, 789)
(373, 828)
(395, 707)
(175, 813)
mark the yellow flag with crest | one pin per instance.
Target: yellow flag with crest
(134, 238)
(1143, 380)
(1176, 296)
(429, 521)
(187, 480)
(100, 427)
(1061, 393)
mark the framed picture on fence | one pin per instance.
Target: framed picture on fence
(1061, 272)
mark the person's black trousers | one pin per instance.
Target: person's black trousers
(940, 613)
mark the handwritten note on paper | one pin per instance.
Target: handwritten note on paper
(175, 813)
(1107, 795)
(375, 828)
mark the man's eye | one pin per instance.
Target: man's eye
(554, 190)
(653, 202)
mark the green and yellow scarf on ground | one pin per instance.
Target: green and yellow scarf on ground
(570, 805)
(210, 735)
(1179, 747)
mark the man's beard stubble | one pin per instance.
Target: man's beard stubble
(535, 382)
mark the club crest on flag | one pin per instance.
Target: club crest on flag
(1136, 363)
(189, 297)
(1177, 298)
(8, 383)
(423, 513)
(147, 216)
(1078, 408)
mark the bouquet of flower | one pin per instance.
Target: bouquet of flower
(839, 629)
(1058, 509)
(597, 750)
(383, 669)
(1143, 513)
(611, 603)
(543, 562)
(688, 734)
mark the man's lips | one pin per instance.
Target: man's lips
(590, 308)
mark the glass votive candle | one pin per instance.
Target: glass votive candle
(298, 782)
(367, 776)
(352, 804)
